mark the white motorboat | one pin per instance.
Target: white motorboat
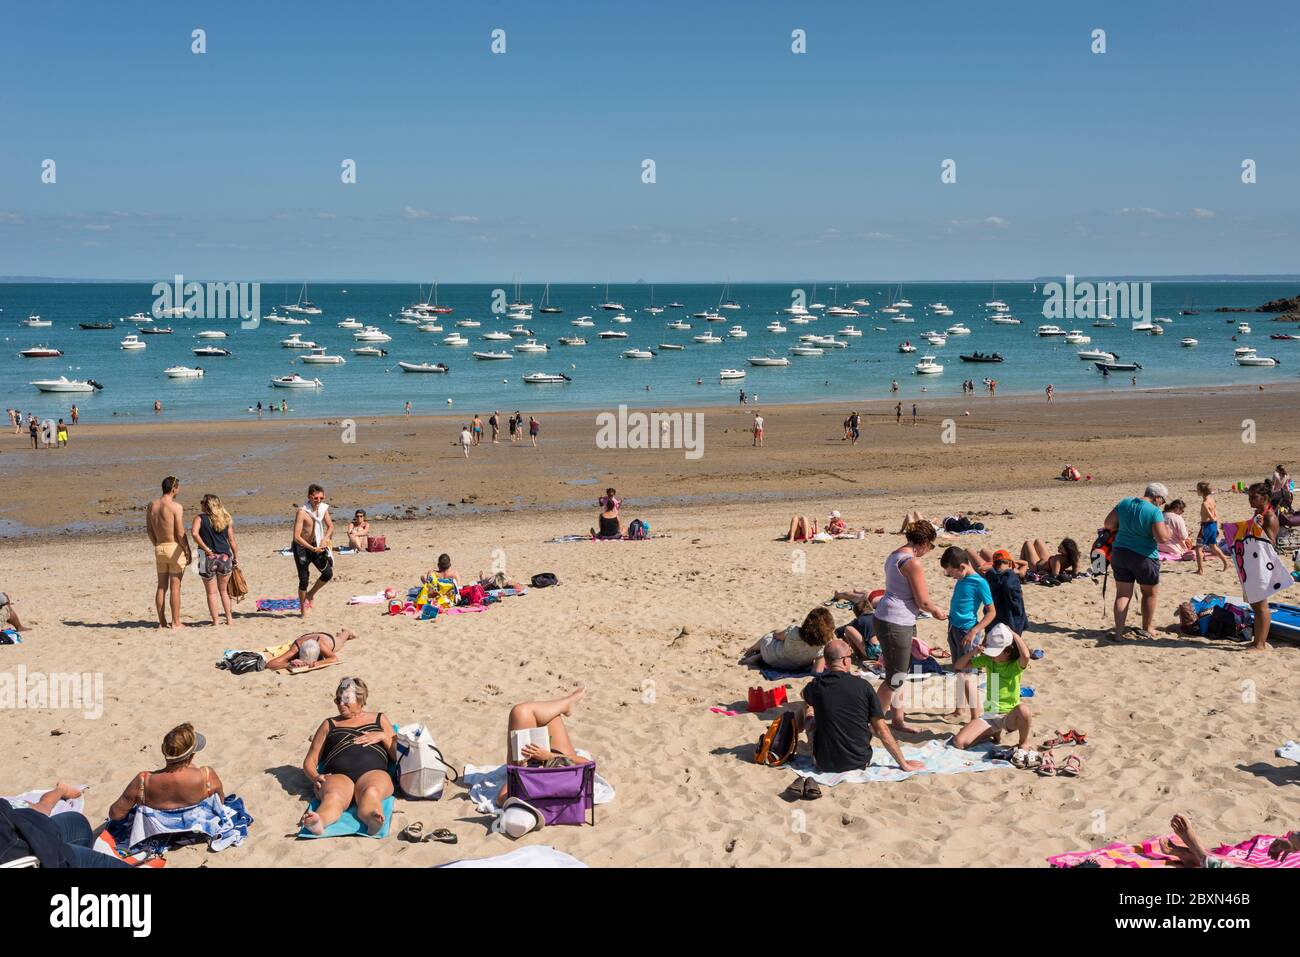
(906, 347)
(531, 345)
(935, 338)
(132, 343)
(64, 384)
(1050, 331)
(583, 322)
(546, 378)
(372, 351)
(1243, 351)
(140, 318)
(497, 336)
(214, 351)
(850, 331)
(36, 322)
(1004, 319)
(671, 346)
(958, 329)
(372, 334)
(1075, 337)
(455, 339)
(1163, 320)
(801, 320)
(492, 356)
(1253, 360)
(519, 330)
(350, 323)
(1096, 355)
(903, 303)
(296, 341)
(210, 334)
(294, 321)
(612, 334)
(778, 328)
(1143, 326)
(405, 320)
(842, 311)
(1243, 328)
(572, 341)
(807, 351)
(928, 366)
(40, 352)
(318, 357)
(184, 372)
(679, 324)
(424, 366)
(859, 303)
(1105, 322)
(468, 323)
(731, 374)
(621, 319)
(1188, 342)
(295, 381)
(736, 332)
(429, 327)
(768, 361)
(707, 338)
(638, 354)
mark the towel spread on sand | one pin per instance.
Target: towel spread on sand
(278, 604)
(485, 780)
(587, 538)
(348, 825)
(1254, 853)
(378, 598)
(221, 825)
(1289, 750)
(937, 757)
(1260, 569)
(1250, 853)
(537, 855)
(28, 798)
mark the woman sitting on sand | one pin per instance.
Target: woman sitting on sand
(178, 784)
(795, 648)
(802, 528)
(609, 524)
(359, 531)
(549, 715)
(314, 650)
(348, 761)
(1179, 545)
(8, 615)
(1037, 559)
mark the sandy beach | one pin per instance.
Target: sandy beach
(652, 629)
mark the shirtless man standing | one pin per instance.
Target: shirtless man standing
(165, 521)
(312, 530)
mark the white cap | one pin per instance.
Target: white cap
(1156, 490)
(997, 640)
(835, 514)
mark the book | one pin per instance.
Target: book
(519, 739)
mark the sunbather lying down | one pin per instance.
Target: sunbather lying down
(313, 650)
(1191, 852)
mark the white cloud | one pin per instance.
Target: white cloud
(1201, 213)
(997, 221)
(1140, 211)
(10, 218)
(463, 219)
(410, 212)
(876, 235)
(324, 215)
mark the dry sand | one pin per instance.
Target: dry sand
(653, 630)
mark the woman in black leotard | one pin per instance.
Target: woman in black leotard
(348, 761)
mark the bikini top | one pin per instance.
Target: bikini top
(144, 778)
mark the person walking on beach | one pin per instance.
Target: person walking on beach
(165, 523)
(534, 427)
(478, 429)
(74, 413)
(1208, 537)
(855, 426)
(914, 413)
(758, 431)
(466, 440)
(312, 530)
(408, 407)
(34, 428)
(1263, 524)
(495, 423)
(1049, 393)
(1139, 526)
(214, 531)
(62, 434)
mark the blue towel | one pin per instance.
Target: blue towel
(775, 674)
(348, 825)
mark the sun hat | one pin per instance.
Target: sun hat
(517, 818)
(997, 640)
(200, 742)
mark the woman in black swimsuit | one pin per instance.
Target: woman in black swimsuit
(610, 527)
(348, 761)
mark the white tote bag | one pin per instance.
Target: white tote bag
(422, 770)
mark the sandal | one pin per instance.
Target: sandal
(1018, 758)
(442, 836)
(1141, 633)
(796, 789)
(1061, 740)
(1071, 767)
(1047, 768)
(413, 832)
(1033, 760)
(811, 790)
(1078, 737)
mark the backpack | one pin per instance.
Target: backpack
(242, 662)
(1227, 623)
(778, 743)
(638, 530)
(544, 580)
(472, 595)
(1101, 549)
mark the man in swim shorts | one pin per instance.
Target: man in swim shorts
(312, 530)
(165, 522)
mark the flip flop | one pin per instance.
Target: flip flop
(796, 789)
(442, 836)
(1141, 633)
(1071, 766)
(811, 790)
(413, 832)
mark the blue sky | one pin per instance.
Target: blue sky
(769, 165)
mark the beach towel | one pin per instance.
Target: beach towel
(1290, 750)
(274, 652)
(348, 825)
(278, 604)
(538, 855)
(485, 780)
(587, 538)
(10, 637)
(1254, 853)
(221, 825)
(776, 674)
(378, 598)
(28, 798)
(937, 757)
(1115, 855)
(1260, 569)
(506, 592)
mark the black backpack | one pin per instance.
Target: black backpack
(242, 662)
(1226, 624)
(545, 580)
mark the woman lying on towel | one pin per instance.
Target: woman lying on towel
(609, 524)
(795, 648)
(1190, 851)
(314, 650)
(178, 784)
(549, 715)
(802, 528)
(1063, 564)
(348, 761)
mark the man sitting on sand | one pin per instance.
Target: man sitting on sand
(1004, 655)
(316, 649)
(839, 716)
(165, 521)
(8, 614)
(312, 530)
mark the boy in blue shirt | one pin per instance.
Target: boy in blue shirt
(970, 612)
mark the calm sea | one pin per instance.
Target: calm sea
(600, 377)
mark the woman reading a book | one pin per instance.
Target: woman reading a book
(537, 737)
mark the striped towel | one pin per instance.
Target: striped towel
(278, 604)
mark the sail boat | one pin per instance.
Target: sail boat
(519, 305)
(652, 309)
(1189, 308)
(546, 302)
(724, 302)
(610, 304)
(303, 306)
(836, 309)
(815, 304)
(434, 307)
(995, 302)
